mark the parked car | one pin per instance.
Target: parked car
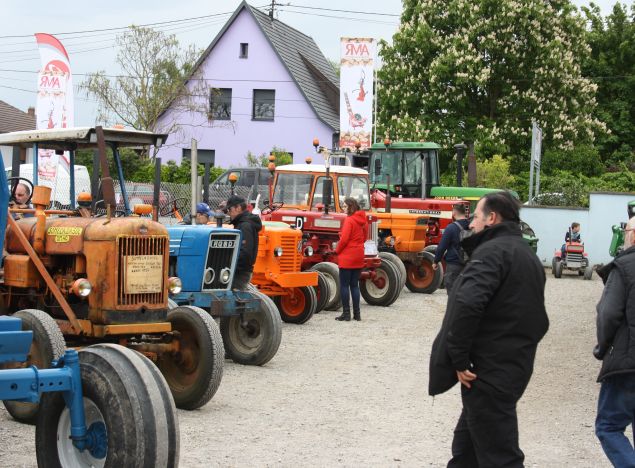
(141, 193)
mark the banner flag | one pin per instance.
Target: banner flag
(356, 91)
(54, 108)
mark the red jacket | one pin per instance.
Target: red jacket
(350, 248)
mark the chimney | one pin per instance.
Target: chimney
(31, 111)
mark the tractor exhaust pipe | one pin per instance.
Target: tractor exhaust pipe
(157, 189)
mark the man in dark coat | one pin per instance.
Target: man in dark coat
(616, 349)
(449, 247)
(249, 226)
(493, 322)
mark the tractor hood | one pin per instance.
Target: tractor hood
(188, 239)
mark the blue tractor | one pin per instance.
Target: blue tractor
(205, 257)
(105, 405)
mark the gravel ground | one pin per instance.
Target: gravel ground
(355, 394)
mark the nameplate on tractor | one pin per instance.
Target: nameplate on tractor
(144, 274)
(222, 244)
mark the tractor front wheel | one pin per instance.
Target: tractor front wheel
(557, 270)
(48, 344)
(253, 338)
(401, 268)
(422, 278)
(383, 290)
(298, 306)
(332, 272)
(130, 415)
(195, 371)
(322, 292)
(588, 272)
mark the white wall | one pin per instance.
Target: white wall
(551, 224)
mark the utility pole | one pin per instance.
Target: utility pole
(273, 6)
(534, 165)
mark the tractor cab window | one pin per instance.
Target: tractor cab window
(355, 187)
(413, 161)
(390, 165)
(432, 166)
(293, 189)
(318, 196)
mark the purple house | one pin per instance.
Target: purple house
(259, 84)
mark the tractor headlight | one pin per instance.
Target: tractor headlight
(277, 252)
(225, 274)
(174, 285)
(81, 287)
(308, 251)
(209, 276)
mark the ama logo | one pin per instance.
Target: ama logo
(357, 49)
(54, 75)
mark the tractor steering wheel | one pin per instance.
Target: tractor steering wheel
(15, 181)
(271, 208)
(100, 210)
(175, 207)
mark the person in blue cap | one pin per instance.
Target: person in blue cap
(203, 213)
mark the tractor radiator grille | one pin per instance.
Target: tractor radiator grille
(574, 257)
(222, 254)
(141, 252)
(291, 259)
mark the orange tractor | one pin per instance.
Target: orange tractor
(103, 279)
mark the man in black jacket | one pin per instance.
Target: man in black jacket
(491, 329)
(616, 348)
(249, 226)
(449, 247)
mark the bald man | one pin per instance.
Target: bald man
(616, 348)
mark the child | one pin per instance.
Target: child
(572, 235)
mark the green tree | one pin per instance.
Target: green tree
(494, 173)
(612, 66)
(154, 70)
(481, 70)
(282, 157)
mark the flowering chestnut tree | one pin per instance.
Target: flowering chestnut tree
(479, 71)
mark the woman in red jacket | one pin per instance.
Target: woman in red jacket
(350, 257)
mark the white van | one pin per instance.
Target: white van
(60, 188)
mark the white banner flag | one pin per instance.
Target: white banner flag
(54, 107)
(356, 91)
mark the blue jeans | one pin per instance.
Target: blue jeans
(616, 411)
(349, 287)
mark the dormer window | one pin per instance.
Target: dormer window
(244, 50)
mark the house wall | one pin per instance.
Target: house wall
(295, 123)
(551, 224)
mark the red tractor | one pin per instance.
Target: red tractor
(307, 197)
(571, 257)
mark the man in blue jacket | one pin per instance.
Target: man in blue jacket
(493, 323)
(616, 349)
(450, 247)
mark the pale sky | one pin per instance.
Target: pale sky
(19, 56)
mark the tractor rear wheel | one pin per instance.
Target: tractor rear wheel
(254, 338)
(130, 415)
(433, 250)
(47, 345)
(298, 306)
(384, 289)
(196, 370)
(332, 272)
(391, 257)
(588, 272)
(554, 260)
(322, 292)
(422, 278)
(557, 271)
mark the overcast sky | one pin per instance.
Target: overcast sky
(94, 52)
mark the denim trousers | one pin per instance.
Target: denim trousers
(616, 411)
(349, 287)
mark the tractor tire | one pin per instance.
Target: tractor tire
(588, 273)
(322, 292)
(332, 272)
(47, 345)
(298, 306)
(433, 250)
(421, 277)
(391, 257)
(554, 260)
(172, 304)
(384, 294)
(129, 411)
(256, 343)
(557, 271)
(195, 372)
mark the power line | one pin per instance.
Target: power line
(343, 11)
(347, 18)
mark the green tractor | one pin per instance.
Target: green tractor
(617, 241)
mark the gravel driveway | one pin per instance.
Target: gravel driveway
(355, 394)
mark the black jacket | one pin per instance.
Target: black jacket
(616, 316)
(495, 315)
(249, 225)
(449, 245)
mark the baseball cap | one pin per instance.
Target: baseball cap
(203, 208)
(234, 200)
